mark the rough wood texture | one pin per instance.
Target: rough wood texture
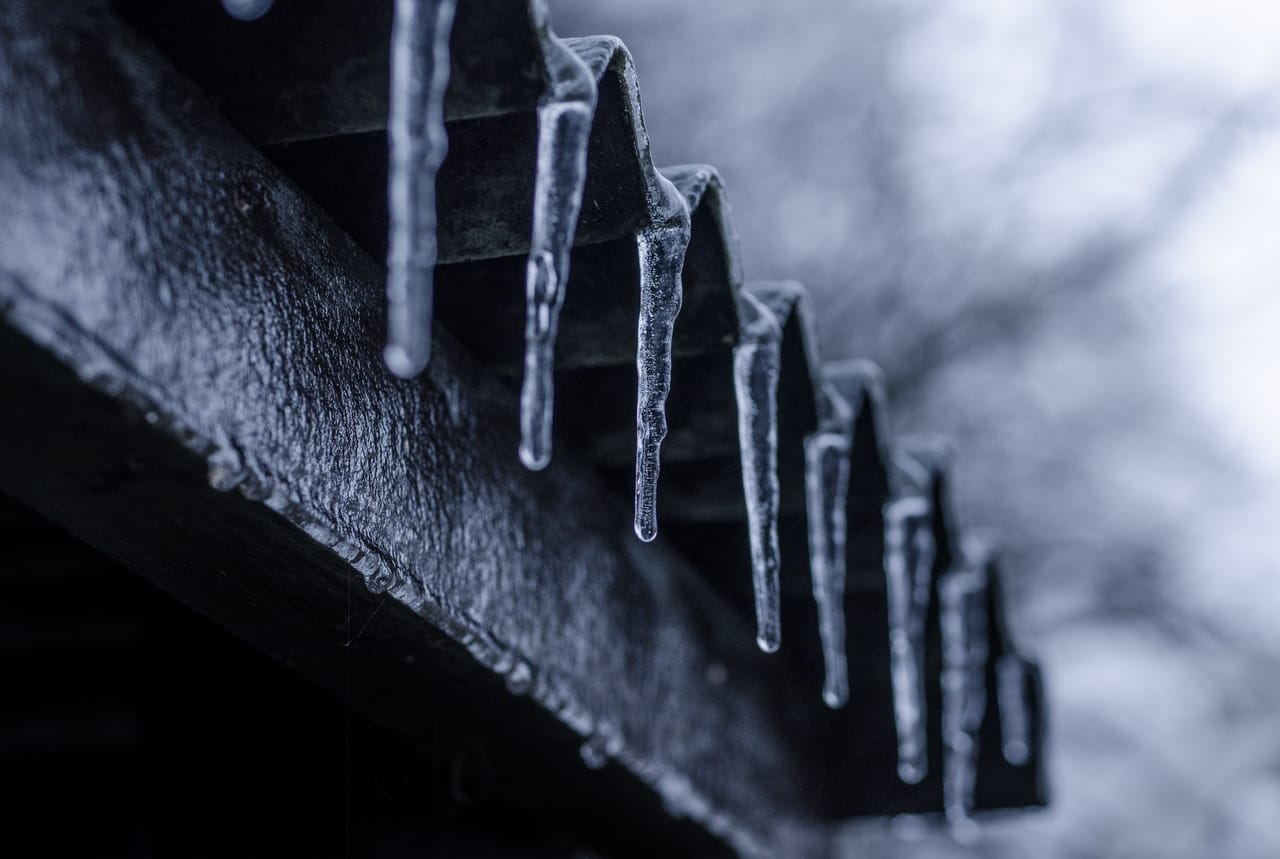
(178, 316)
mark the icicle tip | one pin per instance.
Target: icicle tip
(534, 460)
(769, 642)
(403, 364)
(910, 773)
(646, 531)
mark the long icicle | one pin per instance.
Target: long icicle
(564, 129)
(756, 367)
(826, 479)
(418, 144)
(661, 247)
(903, 520)
(962, 616)
(922, 556)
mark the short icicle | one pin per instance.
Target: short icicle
(564, 127)
(905, 558)
(826, 479)
(661, 248)
(418, 143)
(1015, 721)
(756, 367)
(962, 616)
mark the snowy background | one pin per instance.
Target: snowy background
(1054, 224)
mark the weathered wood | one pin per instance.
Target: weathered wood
(176, 315)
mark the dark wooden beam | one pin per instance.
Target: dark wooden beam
(191, 358)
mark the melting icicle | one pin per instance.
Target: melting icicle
(963, 620)
(1015, 722)
(908, 554)
(661, 248)
(564, 127)
(826, 479)
(756, 366)
(418, 143)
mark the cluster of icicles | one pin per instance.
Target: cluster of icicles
(418, 145)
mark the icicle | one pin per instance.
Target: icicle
(756, 366)
(923, 553)
(826, 477)
(1015, 721)
(908, 558)
(661, 248)
(963, 620)
(564, 127)
(415, 127)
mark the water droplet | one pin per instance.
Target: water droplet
(593, 753)
(380, 580)
(254, 487)
(223, 479)
(519, 678)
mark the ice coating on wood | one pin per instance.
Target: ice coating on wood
(1015, 720)
(826, 477)
(564, 127)
(963, 619)
(700, 185)
(862, 382)
(661, 248)
(908, 561)
(757, 361)
(418, 143)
